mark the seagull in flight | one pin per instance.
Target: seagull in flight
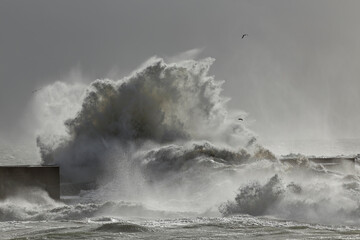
(34, 91)
(244, 35)
(240, 119)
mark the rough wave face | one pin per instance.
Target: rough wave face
(160, 103)
(304, 192)
(163, 137)
(33, 204)
(255, 199)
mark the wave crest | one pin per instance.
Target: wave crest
(160, 103)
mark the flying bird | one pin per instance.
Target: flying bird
(34, 91)
(244, 35)
(240, 119)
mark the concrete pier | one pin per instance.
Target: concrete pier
(15, 178)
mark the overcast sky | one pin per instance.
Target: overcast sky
(296, 73)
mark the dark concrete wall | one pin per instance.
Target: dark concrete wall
(14, 178)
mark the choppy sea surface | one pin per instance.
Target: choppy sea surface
(158, 155)
(39, 217)
(236, 227)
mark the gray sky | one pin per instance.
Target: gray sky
(296, 74)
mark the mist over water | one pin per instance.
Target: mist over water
(162, 143)
(158, 105)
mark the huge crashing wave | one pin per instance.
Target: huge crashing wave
(164, 137)
(157, 105)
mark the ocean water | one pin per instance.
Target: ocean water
(157, 155)
(236, 227)
(295, 214)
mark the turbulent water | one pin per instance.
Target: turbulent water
(157, 155)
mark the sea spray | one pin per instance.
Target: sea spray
(255, 199)
(28, 203)
(305, 192)
(164, 137)
(160, 103)
(34, 204)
